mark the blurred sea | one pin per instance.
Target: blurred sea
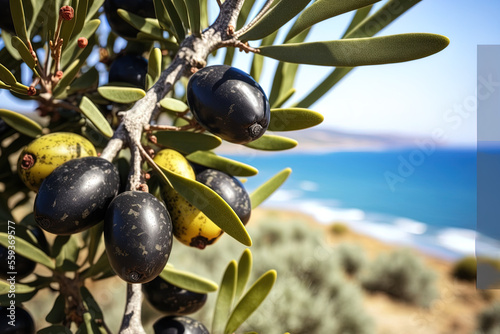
(413, 197)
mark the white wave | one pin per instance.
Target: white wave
(459, 240)
(410, 225)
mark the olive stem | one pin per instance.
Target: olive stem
(131, 322)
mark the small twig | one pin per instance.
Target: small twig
(240, 45)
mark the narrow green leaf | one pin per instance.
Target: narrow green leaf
(187, 142)
(320, 91)
(26, 249)
(121, 94)
(245, 11)
(251, 301)
(180, 6)
(173, 105)
(272, 143)
(80, 17)
(21, 123)
(7, 41)
(56, 314)
(187, 280)
(260, 194)
(381, 18)
(360, 51)
(146, 25)
(321, 10)
(94, 9)
(283, 98)
(69, 75)
(17, 12)
(6, 76)
(258, 60)
(56, 329)
(162, 16)
(244, 271)
(92, 306)
(154, 65)
(35, 23)
(95, 239)
(274, 19)
(24, 52)
(86, 81)
(72, 51)
(291, 119)
(101, 266)
(211, 204)
(20, 288)
(204, 13)
(359, 16)
(225, 297)
(96, 117)
(193, 8)
(176, 20)
(58, 244)
(67, 257)
(229, 166)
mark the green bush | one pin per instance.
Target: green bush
(403, 276)
(339, 228)
(311, 294)
(465, 269)
(352, 257)
(489, 320)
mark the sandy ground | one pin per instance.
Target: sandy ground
(454, 312)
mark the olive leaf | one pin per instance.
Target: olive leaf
(225, 297)
(283, 98)
(5, 287)
(359, 51)
(321, 10)
(100, 267)
(274, 19)
(6, 76)
(26, 249)
(68, 26)
(121, 94)
(358, 17)
(168, 17)
(72, 50)
(187, 142)
(244, 12)
(92, 306)
(80, 17)
(244, 271)
(188, 281)
(291, 119)
(23, 51)
(272, 143)
(56, 314)
(94, 9)
(147, 26)
(162, 16)
(96, 117)
(193, 8)
(20, 297)
(173, 105)
(211, 204)
(67, 257)
(260, 194)
(21, 123)
(180, 6)
(251, 301)
(68, 76)
(258, 60)
(154, 67)
(229, 166)
(58, 244)
(18, 17)
(95, 233)
(87, 80)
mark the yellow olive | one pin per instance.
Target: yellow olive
(44, 154)
(191, 226)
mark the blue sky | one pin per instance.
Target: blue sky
(417, 98)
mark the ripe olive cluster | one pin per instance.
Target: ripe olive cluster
(76, 190)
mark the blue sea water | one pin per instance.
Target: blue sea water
(407, 196)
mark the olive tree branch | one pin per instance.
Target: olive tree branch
(192, 54)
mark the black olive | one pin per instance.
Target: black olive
(22, 266)
(76, 195)
(144, 8)
(179, 325)
(15, 320)
(138, 236)
(230, 189)
(229, 103)
(128, 68)
(168, 298)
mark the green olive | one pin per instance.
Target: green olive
(44, 154)
(191, 226)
